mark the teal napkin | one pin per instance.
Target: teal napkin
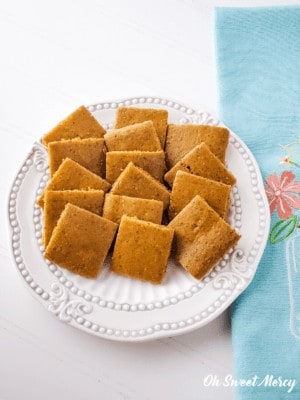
(258, 59)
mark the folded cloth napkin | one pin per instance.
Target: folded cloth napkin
(258, 61)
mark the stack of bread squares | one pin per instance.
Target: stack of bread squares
(144, 190)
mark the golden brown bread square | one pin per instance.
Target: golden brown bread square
(131, 115)
(152, 162)
(55, 202)
(201, 161)
(201, 237)
(80, 124)
(135, 182)
(70, 176)
(183, 138)
(186, 186)
(142, 249)
(80, 241)
(116, 206)
(141, 136)
(90, 153)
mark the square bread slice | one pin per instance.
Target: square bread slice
(80, 124)
(183, 138)
(141, 136)
(135, 182)
(148, 210)
(90, 153)
(186, 186)
(70, 176)
(201, 237)
(131, 115)
(201, 161)
(142, 249)
(80, 241)
(55, 202)
(152, 162)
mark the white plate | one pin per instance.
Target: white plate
(119, 308)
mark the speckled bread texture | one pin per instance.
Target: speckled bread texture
(55, 202)
(80, 124)
(142, 250)
(186, 186)
(183, 138)
(201, 237)
(90, 153)
(152, 162)
(131, 115)
(201, 161)
(135, 182)
(70, 176)
(80, 241)
(148, 210)
(141, 136)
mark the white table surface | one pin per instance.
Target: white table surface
(55, 56)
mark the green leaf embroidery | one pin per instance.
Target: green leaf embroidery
(283, 228)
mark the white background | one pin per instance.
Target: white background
(55, 56)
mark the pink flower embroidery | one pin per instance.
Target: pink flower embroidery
(279, 195)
